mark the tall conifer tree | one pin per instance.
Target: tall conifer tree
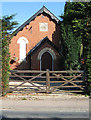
(77, 17)
(7, 32)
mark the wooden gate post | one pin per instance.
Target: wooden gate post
(47, 81)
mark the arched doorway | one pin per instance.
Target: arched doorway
(46, 61)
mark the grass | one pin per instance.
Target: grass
(24, 98)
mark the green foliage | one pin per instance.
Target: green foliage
(7, 32)
(76, 28)
(88, 54)
(24, 98)
(71, 29)
(0, 58)
(71, 47)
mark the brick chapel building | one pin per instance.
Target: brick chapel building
(36, 43)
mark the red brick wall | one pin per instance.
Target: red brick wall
(35, 63)
(34, 37)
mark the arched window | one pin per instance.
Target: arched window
(22, 48)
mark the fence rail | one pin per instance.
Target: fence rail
(46, 81)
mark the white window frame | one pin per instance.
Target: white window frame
(22, 48)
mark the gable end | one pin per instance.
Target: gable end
(42, 10)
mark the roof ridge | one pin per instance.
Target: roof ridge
(43, 9)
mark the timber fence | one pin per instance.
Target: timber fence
(47, 81)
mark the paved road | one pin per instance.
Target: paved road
(43, 114)
(46, 107)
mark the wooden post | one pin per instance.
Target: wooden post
(47, 81)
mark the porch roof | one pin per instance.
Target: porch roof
(44, 40)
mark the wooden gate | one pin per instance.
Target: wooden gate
(26, 80)
(67, 81)
(47, 81)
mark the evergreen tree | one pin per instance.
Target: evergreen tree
(71, 39)
(77, 17)
(0, 59)
(7, 32)
(88, 55)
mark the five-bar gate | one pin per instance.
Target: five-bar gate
(46, 81)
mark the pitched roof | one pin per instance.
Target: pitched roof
(46, 39)
(43, 9)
